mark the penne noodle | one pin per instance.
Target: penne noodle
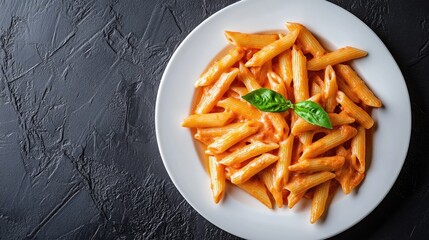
(330, 89)
(260, 73)
(207, 120)
(247, 78)
(316, 98)
(270, 51)
(204, 140)
(279, 123)
(318, 204)
(241, 91)
(341, 151)
(245, 153)
(358, 150)
(332, 164)
(306, 138)
(211, 97)
(303, 183)
(240, 107)
(332, 58)
(355, 111)
(245, 40)
(294, 118)
(317, 85)
(234, 148)
(348, 177)
(213, 73)
(300, 78)
(268, 131)
(217, 179)
(337, 119)
(331, 140)
(358, 85)
(285, 158)
(257, 189)
(297, 151)
(307, 40)
(294, 198)
(253, 167)
(267, 177)
(277, 84)
(346, 89)
(232, 94)
(232, 137)
(216, 131)
(249, 53)
(285, 67)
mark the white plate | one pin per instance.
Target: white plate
(239, 213)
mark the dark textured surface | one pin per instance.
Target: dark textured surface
(78, 153)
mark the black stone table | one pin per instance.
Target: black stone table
(78, 153)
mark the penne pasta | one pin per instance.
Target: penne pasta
(245, 40)
(355, 111)
(308, 41)
(337, 119)
(285, 158)
(348, 177)
(346, 89)
(247, 78)
(317, 85)
(358, 150)
(303, 183)
(332, 164)
(241, 91)
(332, 58)
(270, 51)
(285, 67)
(211, 97)
(318, 204)
(260, 73)
(232, 137)
(249, 53)
(249, 151)
(300, 78)
(277, 84)
(358, 85)
(306, 138)
(257, 189)
(207, 120)
(240, 107)
(330, 141)
(294, 198)
(330, 89)
(217, 179)
(253, 167)
(281, 128)
(213, 73)
(215, 132)
(267, 177)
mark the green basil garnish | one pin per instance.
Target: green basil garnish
(313, 113)
(267, 100)
(270, 101)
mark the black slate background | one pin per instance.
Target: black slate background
(78, 152)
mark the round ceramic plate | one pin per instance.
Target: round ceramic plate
(239, 213)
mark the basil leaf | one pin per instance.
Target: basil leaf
(268, 100)
(313, 113)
